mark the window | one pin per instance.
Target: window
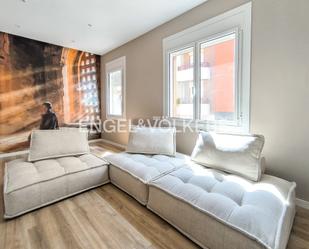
(217, 78)
(207, 72)
(181, 80)
(115, 93)
(115, 88)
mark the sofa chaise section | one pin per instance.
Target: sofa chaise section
(222, 211)
(30, 185)
(132, 172)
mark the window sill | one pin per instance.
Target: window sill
(186, 125)
(115, 117)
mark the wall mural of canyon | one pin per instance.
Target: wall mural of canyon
(33, 72)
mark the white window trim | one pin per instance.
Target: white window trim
(117, 64)
(237, 20)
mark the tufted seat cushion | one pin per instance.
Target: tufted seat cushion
(30, 185)
(132, 172)
(219, 210)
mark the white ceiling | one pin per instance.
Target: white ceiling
(66, 22)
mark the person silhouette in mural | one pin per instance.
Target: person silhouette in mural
(49, 119)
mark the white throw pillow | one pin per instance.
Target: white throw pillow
(146, 140)
(237, 154)
(58, 143)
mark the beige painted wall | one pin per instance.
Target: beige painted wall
(279, 80)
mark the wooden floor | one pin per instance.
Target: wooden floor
(107, 218)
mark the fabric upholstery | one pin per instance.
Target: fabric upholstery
(144, 140)
(132, 172)
(237, 154)
(204, 230)
(129, 184)
(58, 143)
(31, 185)
(215, 209)
(198, 201)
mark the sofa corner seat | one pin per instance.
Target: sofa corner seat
(133, 172)
(31, 185)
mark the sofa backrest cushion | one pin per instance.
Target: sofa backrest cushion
(58, 143)
(146, 140)
(236, 154)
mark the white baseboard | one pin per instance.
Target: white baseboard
(16, 153)
(22, 152)
(122, 146)
(302, 203)
(94, 140)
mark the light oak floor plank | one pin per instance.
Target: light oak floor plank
(105, 217)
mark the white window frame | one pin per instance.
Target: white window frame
(112, 66)
(236, 21)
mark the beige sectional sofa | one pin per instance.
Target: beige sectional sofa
(217, 210)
